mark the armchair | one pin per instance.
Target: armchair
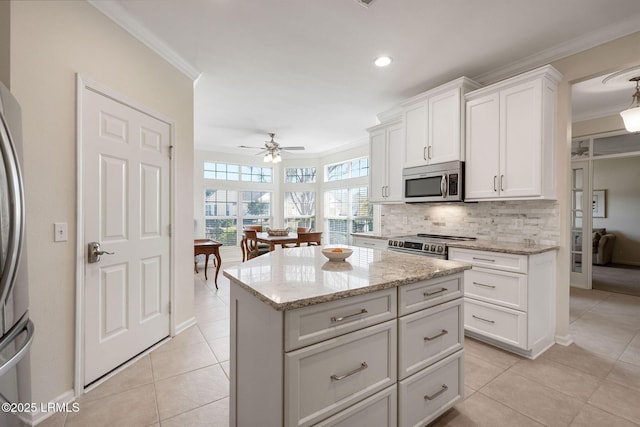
(602, 246)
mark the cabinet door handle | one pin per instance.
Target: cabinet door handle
(443, 332)
(424, 153)
(484, 259)
(438, 393)
(362, 367)
(429, 152)
(486, 286)
(501, 182)
(428, 294)
(484, 320)
(495, 178)
(340, 319)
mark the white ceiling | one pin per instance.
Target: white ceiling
(303, 69)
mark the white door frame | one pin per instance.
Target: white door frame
(81, 84)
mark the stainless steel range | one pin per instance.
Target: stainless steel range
(432, 245)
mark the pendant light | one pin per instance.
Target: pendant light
(631, 115)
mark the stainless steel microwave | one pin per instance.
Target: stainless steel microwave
(441, 182)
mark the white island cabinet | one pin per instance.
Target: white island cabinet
(509, 294)
(375, 340)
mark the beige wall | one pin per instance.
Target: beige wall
(621, 178)
(50, 43)
(5, 37)
(609, 57)
(599, 125)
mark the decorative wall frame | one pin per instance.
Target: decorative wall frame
(599, 203)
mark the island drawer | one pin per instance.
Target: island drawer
(315, 323)
(498, 260)
(428, 336)
(427, 293)
(381, 409)
(499, 323)
(497, 287)
(325, 378)
(426, 395)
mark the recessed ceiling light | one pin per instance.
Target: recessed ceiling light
(382, 61)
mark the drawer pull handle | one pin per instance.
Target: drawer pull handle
(368, 244)
(444, 332)
(486, 286)
(484, 259)
(428, 294)
(362, 367)
(433, 396)
(340, 319)
(484, 320)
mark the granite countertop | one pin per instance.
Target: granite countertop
(503, 247)
(370, 236)
(297, 277)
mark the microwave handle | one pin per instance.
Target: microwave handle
(443, 185)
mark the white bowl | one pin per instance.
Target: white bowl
(337, 256)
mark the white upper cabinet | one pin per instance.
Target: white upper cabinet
(385, 162)
(434, 124)
(510, 136)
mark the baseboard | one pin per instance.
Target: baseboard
(565, 340)
(62, 403)
(185, 325)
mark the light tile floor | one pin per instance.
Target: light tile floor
(593, 382)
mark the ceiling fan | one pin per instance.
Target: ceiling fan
(580, 150)
(272, 150)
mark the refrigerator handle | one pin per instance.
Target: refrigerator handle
(25, 325)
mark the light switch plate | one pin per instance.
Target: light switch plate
(60, 232)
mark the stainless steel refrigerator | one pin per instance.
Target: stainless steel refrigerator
(16, 330)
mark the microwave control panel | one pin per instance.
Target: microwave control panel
(453, 184)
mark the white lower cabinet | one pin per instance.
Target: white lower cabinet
(386, 358)
(509, 299)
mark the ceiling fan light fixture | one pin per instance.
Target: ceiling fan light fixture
(268, 157)
(277, 158)
(631, 116)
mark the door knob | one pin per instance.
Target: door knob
(94, 252)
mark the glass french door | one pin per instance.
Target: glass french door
(580, 224)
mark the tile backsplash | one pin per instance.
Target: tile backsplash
(504, 221)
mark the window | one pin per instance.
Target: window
(347, 211)
(300, 175)
(229, 172)
(256, 208)
(221, 171)
(220, 213)
(300, 209)
(256, 174)
(222, 216)
(346, 170)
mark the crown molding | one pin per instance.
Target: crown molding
(623, 28)
(599, 113)
(117, 14)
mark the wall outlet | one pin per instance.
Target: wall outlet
(60, 232)
(519, 223)
(405, 220)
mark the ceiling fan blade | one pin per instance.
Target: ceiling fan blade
(292, 148)
(253, 148)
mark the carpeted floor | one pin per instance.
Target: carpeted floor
(623, 279)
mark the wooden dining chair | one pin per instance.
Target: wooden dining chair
(303, 229)
(257, 228)
(313, 238)
(250, 246)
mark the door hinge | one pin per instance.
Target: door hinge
(171, 151)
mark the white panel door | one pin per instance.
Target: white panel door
(521, 139)
(482, 148)
(415, 135)
(378, 165)
(126, 168)
(394, 165)
(444, 127)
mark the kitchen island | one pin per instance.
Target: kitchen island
(376, 337)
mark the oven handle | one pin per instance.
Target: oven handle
(443, 186)
(24, 325)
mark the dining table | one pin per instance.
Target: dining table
(208, 247)
(273, 241)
